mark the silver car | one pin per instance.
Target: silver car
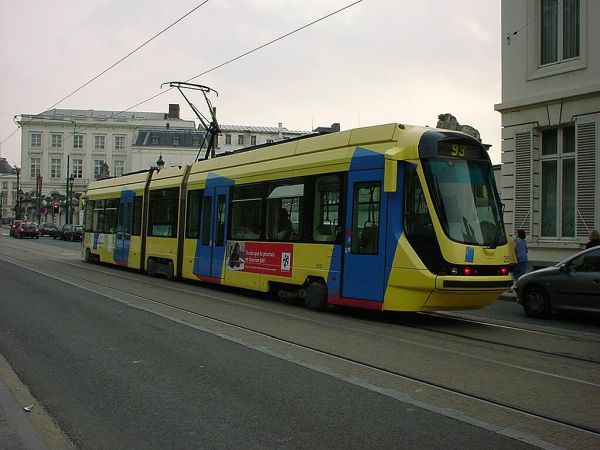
(570, 285)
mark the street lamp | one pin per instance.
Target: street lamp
(160, 163)
(18, 201)
(69, 218)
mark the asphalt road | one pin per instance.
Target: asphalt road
(114, 376)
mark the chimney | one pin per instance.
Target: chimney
(280, 131)
(173, 111)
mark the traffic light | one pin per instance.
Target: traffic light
(55, 207)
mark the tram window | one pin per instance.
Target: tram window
(246, 211)
(98, 219)
(284, 211)
(111, 215)
(88, 219)
(326, 217)
(220, 227)
(163, 212)
(194, 202)
(417, 220)
(365, 218)
(206, 220)
(137, 216)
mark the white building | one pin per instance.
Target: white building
(234, 137)
(8, 191)
(60, 143)
(551, 123)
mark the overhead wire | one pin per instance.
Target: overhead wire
(229, 61)
(164, 30)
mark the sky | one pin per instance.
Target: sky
(379, 61)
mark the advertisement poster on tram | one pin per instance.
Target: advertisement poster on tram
(261, 257)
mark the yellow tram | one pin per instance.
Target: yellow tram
(389, 217)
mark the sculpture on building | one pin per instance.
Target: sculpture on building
(449, 122)
(104, 171)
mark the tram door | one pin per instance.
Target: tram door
(212, 232)
(364, 247)
(124, 227)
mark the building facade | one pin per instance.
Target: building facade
(64, 143)
(235, 137)
(551, 123)
(8, 191)
(64, 149)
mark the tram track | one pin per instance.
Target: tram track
(40, 268)
(123, 274)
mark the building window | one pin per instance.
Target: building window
(77, 168)
(119, 142)
(78, 141)
(269, 141)
(5, 185)
(252, 140)
(176, 141)
(240, 139)
(227, 139)
(34, 167)
(56, 140)
(36, 140)
(97, 167)
(55, 167)
(118, 168)
(155, 140)
(559, 30)
(99, 142)
(558, 182)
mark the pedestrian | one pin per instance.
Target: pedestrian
(521, 252)
(594, 239)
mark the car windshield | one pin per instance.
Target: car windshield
(466, 200)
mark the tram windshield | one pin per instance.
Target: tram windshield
(466, 200)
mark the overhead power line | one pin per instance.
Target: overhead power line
(164, 30)
(229, 61)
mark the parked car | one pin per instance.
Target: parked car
(27, 229)
(570, 285)
(47, 229)
(59, 232)
(13, 227)
(73, 233)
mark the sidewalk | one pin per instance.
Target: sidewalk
(16, 430)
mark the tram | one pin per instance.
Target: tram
(388, 217)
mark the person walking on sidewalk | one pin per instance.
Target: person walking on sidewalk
(521, 252)
(594, 239)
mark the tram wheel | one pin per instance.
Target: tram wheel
(316, 296)
(88, 256)
(151, 267)
(536, 303)
(170, 273)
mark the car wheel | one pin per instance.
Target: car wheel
(535, 303)
(316, 296)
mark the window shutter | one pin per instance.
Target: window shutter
(586, 177)
(523, 181)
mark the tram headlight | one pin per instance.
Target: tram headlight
(454, 270)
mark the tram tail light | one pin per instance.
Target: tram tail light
(467, 271)
(503, 270)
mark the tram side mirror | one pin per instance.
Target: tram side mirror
(390, 175)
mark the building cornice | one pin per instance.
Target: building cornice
(563, 95)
